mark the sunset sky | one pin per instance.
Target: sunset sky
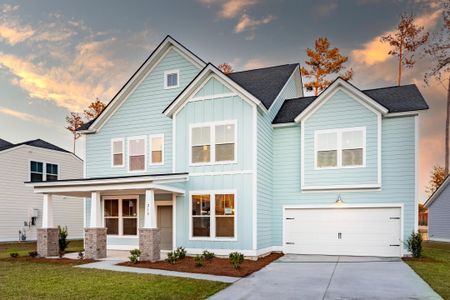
(58, 56)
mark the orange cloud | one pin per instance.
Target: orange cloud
(247, 23)
(13, 34)
(230, 8)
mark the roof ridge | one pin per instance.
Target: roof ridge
(388, 87)
(262, 68)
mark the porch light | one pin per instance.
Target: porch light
(339, 199)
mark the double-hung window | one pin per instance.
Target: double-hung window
(171, 79)
(157, 149)
(117, 152)
(121, 216)
(136, 154)
(51, 172)
(213, 143)
(36, 171)
(340, 148)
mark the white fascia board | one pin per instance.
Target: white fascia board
(436, 193)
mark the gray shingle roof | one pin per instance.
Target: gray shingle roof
(395, 98)
(4, 144)
(265, 83)
(34, 143)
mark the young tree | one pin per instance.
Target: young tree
(94, 109)
(226, 68)
(437, 176)
(439, 51)
(407, 38)
(322, 62)
(74, 121)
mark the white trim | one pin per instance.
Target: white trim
(163, 148)
(211, 97)
(379, 151)
(402, 114)
(112, 152)
(40, 149)
(342, 187)
(226, 252)
(281, 125)
(220, 173)
(416, 168)
(174, 143)
(174, 221)
(135, 138)
(170, 72)
(120, 218)
(433, 239)
(255, 179)
(212, 215)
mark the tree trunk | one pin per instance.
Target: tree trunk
(447, 128)
(399, 79)
(74, 140)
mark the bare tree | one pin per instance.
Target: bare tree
(94, 109)
(226, 68)
(74, 121)
(437, 177)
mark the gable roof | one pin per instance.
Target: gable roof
(437, 192)
(4, 144)
(395, 99)
(38, 143)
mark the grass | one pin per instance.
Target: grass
(24, 247)
(36, 280)
(434, 267)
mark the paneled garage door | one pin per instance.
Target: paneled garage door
(343, 231)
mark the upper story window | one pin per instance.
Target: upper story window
(340, 148)
(136, 154)
(171, 79)
(157, 149)
(117, 152)
(36, 171)
(51, 172)
(213, 143)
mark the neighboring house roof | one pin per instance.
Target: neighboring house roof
(38, 143)
(4, 144)
(396, 99)
(437, 192)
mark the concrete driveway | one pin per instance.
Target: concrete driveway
(331, 277)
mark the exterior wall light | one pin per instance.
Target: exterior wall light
(339, 199)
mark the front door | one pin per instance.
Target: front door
(165, 226)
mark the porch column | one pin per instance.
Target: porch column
(95, 234)
(47, 236)
(149, 236)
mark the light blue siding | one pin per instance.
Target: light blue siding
(140, 114)
(341, 111)
(212, 87)
(289, 92)
(398, 169)
(439, 216)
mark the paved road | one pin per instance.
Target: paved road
(331, 277)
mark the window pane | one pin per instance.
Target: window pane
(36, 166)
(327, 141)
(118, 159)
(52, 177)
(201, 136)
(172, 79)
(352, 139)
(156, 156)
(137, 147)
(201, 226)
(225, 204)
(36, 177)
(117, 147)
(352, 157)
(225, 226)
(156, 144)
(201, 154)
(111, 208)
(129, 208)
(225, 152)
(130, 226)
(225, 133)
(112, 225)
(327, 159)
(201, 205)
(137, 163)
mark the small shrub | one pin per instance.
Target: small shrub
(33, 253)
(135, 253)
(414, 244)
(180, 252)
(236, 259)
(208, 255)
(62, 240)
(14, 254)
(199, 260)
(172, 257)
(80, 255)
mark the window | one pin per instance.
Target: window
(36, 171)
(213, 215)
(121, 216)
(171, 79)
(136, 154)
(340, 148)
(117, 153)
(213, 143)
(157, 149)
(51, 172)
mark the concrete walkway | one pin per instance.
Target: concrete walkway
(111, 265)
(331, 277)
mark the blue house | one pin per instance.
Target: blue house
(185, 155)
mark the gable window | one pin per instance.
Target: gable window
(213, 143)
(117, 152)
(171, 79)
(120, 216)
(213, 215)
(136, 154)
(157, 149)
(51, 172)
(340, 148)
(36, 171)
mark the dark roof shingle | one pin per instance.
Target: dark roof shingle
(34, 143)
(4, 144)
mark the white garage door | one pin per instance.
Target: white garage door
(343, 231)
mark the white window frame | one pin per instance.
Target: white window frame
(212, 223)
(145, 153)
(123, 152)
(166, 73)
(120, 217)
(212, 142)
(43, 170)
(339, 149)
(150, 141)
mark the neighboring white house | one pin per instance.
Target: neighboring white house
(21, 208)
(438, 206)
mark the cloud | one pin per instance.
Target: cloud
(247, 23)
(14, 33)
(25, 116)
(230, 8)
(255, 63)
(324, 10)
(7, 8)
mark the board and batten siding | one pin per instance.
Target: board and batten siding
(439, 217)
(341, 111)
(398, 169)
(17, 199)
(140, 115)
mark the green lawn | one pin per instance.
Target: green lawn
(434, 267)
(24, 247)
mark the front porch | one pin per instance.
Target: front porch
(121, 213)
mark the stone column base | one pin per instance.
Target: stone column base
(47, 242)
(95, 243)
(150, 244)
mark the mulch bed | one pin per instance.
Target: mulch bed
(217, 266)
(63, 261)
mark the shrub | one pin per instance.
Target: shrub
(80, 255)
(199, 260)
(414, 244)
(62, 240)
(236, 259)
(180, 252)
(208, 255)
(135, 253)
(14, 254)
(33, 253)
(172, 257)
